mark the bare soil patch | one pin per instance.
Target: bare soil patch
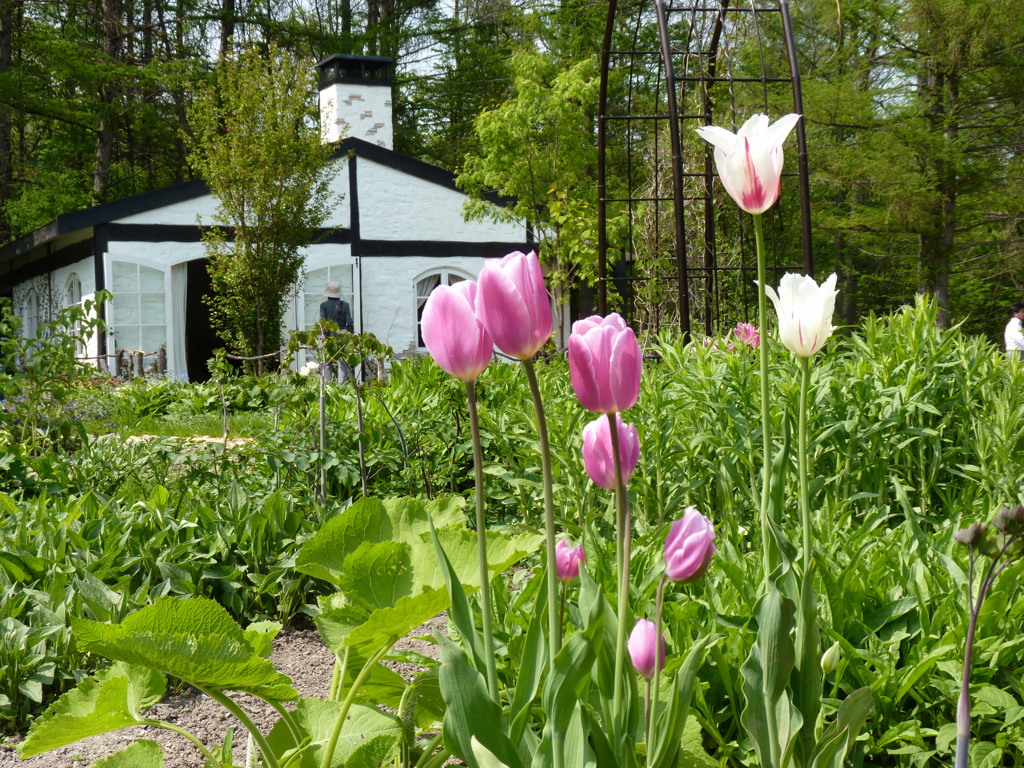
(300, 654)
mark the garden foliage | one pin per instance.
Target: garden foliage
(913, 433)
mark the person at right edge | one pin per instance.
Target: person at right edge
(1013, 335)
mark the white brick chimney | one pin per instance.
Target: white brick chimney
(355, 98)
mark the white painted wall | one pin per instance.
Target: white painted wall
(389, 295)
(396, 206)
(199, 210)
(49, 294)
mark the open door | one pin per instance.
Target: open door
(139, 313)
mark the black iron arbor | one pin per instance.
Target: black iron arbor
(673, 248)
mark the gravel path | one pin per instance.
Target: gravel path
(298, 653)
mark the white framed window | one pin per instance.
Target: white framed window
(424, 285)
(73, 297)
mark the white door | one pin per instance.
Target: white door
(138, 315)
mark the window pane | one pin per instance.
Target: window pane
(125, 278)
(126, 310)
(128, 338)
(151, 280)
(153, 308)
(153, 337)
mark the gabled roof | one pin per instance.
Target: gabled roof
(104, 213)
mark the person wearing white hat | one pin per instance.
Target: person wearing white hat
(338, 312)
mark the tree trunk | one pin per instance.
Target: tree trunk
(227, 26)
(6, 151)
(937, 240)
(112, 40)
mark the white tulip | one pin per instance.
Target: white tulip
(749, 162)
(805, 312)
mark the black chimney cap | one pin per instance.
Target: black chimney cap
(348, 68)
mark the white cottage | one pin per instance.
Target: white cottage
(397, 232)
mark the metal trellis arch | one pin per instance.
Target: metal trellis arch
(672, 247)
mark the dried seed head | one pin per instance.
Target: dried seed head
(972, 536)
(1009, 520)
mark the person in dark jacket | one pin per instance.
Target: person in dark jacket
(339, 313)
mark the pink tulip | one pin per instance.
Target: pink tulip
(604, 363)
(567, 560)
(749, 162)
(454, 335)
(597, 451)
(513, 304)
(643, 640)
(748, 334)
(689, 547)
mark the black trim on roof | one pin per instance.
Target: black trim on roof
(176, 193)
(439, 248)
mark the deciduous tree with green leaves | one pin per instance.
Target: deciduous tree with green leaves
(255, 143)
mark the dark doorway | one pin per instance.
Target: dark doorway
(200, 338)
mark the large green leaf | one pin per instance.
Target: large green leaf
(380, 551)
(144, 753)
(109, 700)
(388, 625)
(194, 640)
(371, 521)
(369, 737)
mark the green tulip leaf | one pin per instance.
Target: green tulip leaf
(109, 700)
(769, 716)
(470, 710)
(194, 640)
(562, 693)
(144, 753)
(831, 749)
(369, 737)
(667, 736)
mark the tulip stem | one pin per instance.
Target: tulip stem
(653, 707)
(549, 538)
(623, 557)
(808, 696)
(481, 542)
(805, 506)
(767, 537)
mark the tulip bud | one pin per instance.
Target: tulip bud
(604, 363)
(567, 560)
(453, 334)
(513, 304)
(643, 641)
(972, 535)
(689, 547)
(830, 658)
(598, 458)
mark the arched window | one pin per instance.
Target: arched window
(427, 283)
(73, 292)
